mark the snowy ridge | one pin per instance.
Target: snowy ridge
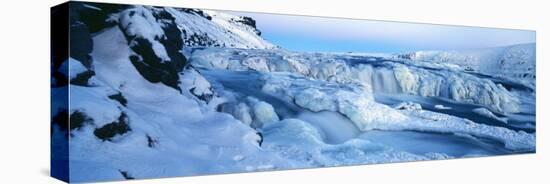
(198, 28)
(515, 62)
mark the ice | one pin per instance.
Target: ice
(317, 96)
(368, 115)
(516, 62)
(408, 106)
(487, 113)
(302, 144)
(407, 80)
(335, 127)
(421, 78)
(439, 106)
(263, 112)
(242, 112)
(384, 80)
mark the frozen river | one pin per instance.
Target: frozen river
(337, 129)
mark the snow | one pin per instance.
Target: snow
(191, 80)
(408, 106)
(222, 31)
(93, 104)
(247, 105)
(74, 67)
(135, 19)
(516, 62)
(157, 111)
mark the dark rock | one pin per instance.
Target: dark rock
(151, 66)
(151, 142)
(108, 131)
(81, 43)
(82, 79)
(196, 12)
(95, 20)
(61, 119)
(119, 98)
(78, 120)
(261, 139)
(59, 43)
(248, 21)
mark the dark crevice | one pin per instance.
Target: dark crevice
(126, 175)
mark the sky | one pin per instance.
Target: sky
(306, 33)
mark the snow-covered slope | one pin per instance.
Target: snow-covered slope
(515, 62)
(137, 110)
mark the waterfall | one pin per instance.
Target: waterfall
(384, 81)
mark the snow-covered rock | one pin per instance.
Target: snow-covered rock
(316, 95)
(263, 112)
(410, 106)
(154, 117)
(196, 84)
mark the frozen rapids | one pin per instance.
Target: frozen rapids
(335, 128)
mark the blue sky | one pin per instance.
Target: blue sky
(306, 33)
